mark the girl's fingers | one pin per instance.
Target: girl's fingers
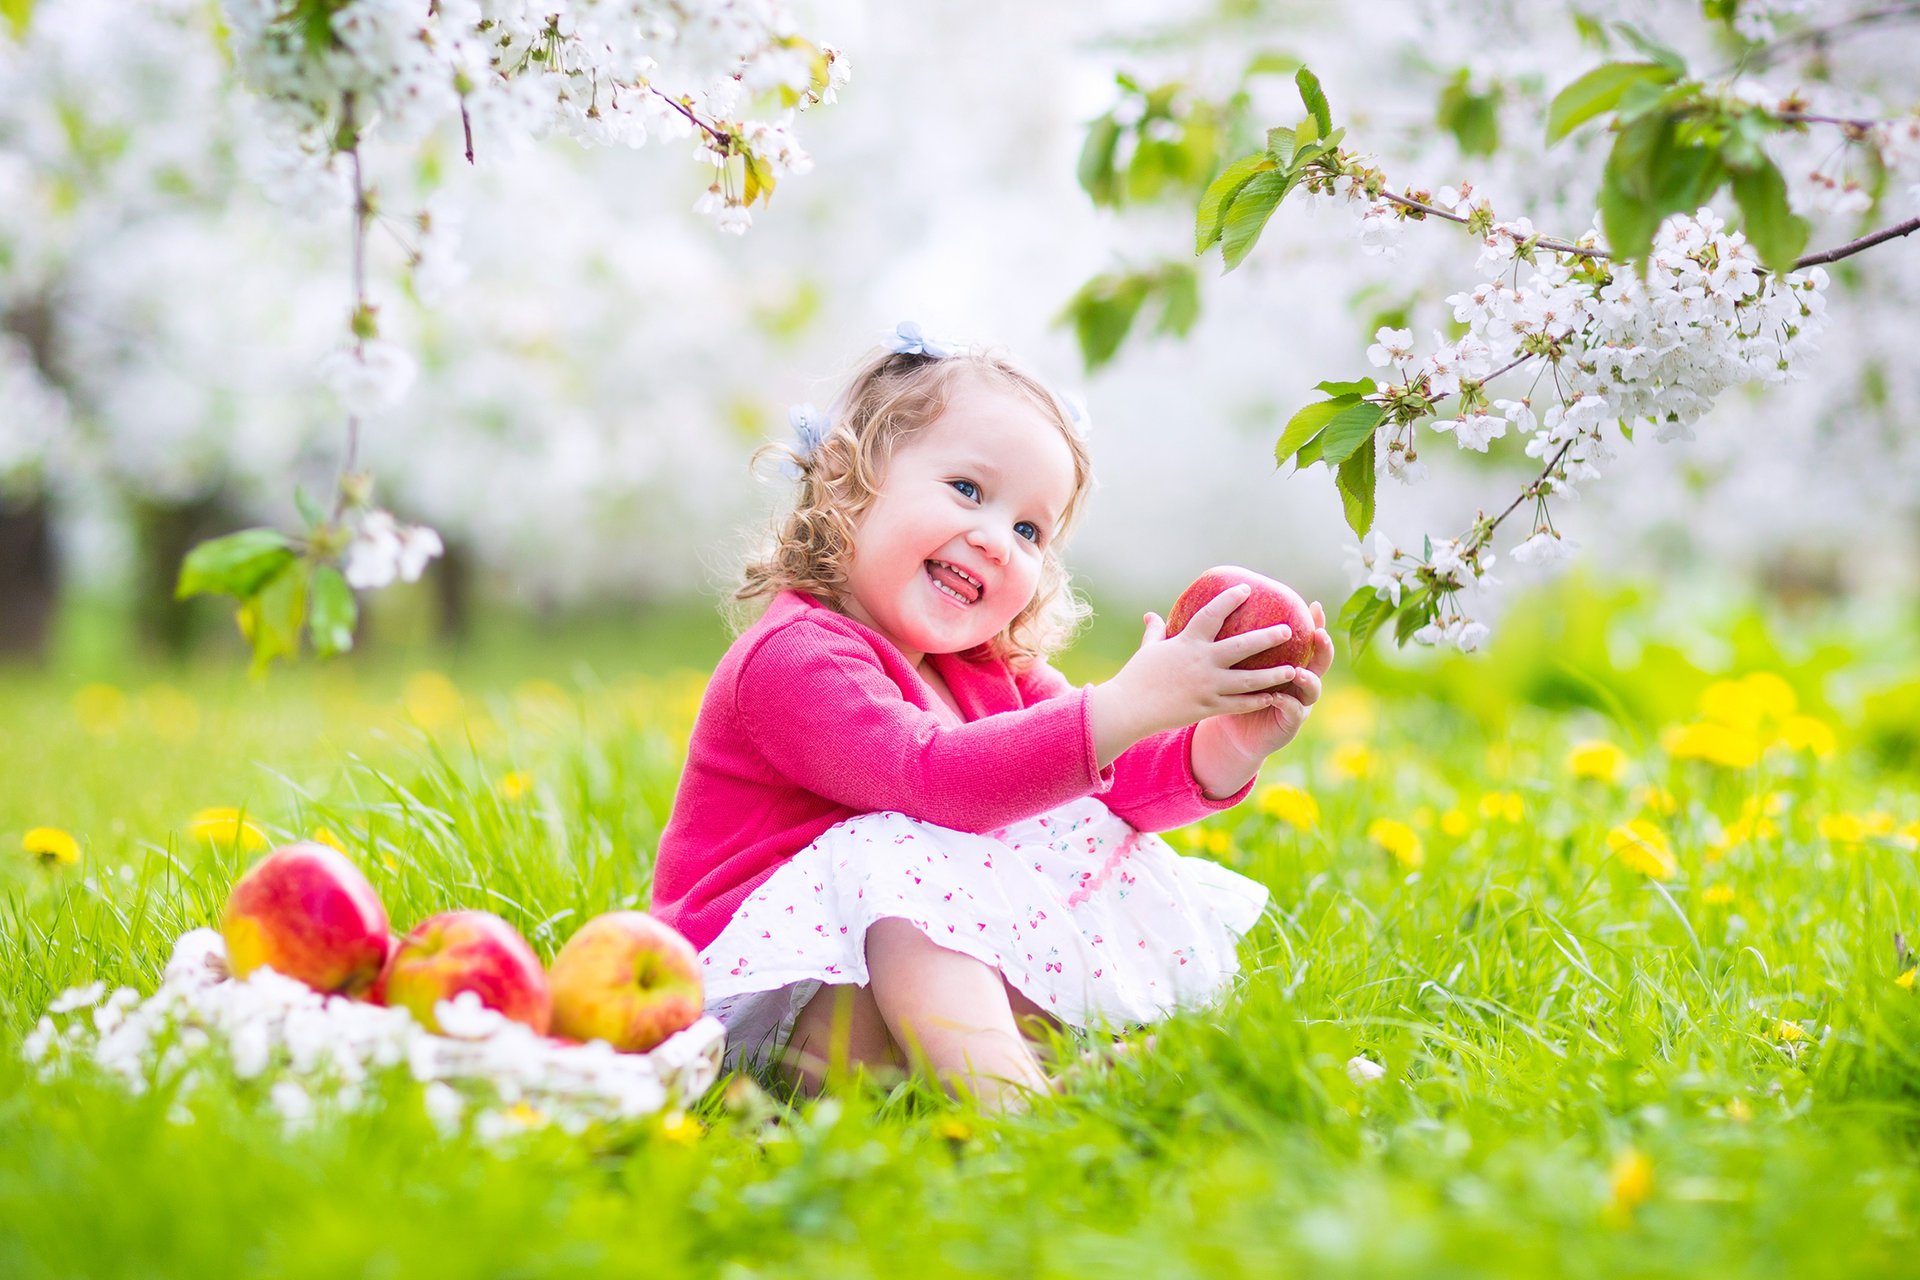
(1306, 688)
(1213, 614)
(1322, 653)
(1319, 615)
(1156, 629)
(1265, 680)
(1247, 643)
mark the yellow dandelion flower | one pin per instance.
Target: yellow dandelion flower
(1877, 822)
(1842, 828)
(1717, 895)
(1727, 746)
(1290, 805)
(432, 701)
(1658, 800)
(680, 1128)
(526, 1115)
(1906, 979)
(1804, 733)
(1398, 839)
(1748, 702)
(51, 845)
(1641, 846)
(1502, 806)
(1192, 837)
(322, 835)
(954, 1129)
(1454, 823)
(100, 708)
(1629, 1182)
(1911, 831)
(1738, 1111)
(1218, 842)
(1352, 760)
(1788, 1031)
(513, 785)
(1598, 760)
(226, 826)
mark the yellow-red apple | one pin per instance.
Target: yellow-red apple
(305, 911)
(475, 951)
(1271, 604)
(628, 979)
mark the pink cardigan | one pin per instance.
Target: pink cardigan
(812, 718)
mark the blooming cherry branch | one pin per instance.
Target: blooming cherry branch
(1608, 340)
(334, 75)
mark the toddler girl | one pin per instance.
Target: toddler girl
(901, 836)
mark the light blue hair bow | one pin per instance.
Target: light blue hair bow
(906, 339)
(810, 427)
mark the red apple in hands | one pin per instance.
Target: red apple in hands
(305, 911)
(628, 979)
(475, 951)
(1271, 604)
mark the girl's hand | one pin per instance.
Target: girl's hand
(1172, 683)
(1253, 735)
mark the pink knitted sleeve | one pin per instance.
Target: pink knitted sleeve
(825, 714)
(1153, 783)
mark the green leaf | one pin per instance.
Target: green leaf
(1220, 194)
(1415, 612)
(1667, 57)
(1102, 312)
(1280, 146)
(1356, 483)
(1357, 387)
(1628, 209)
(1778, 234)
(1315, 99)
(1363, 614)
(234, 565)
(334, 612)
(1472, 118)
(270, 617)
(1599, 91)
(18, 13)
(1349, 427)
(1306, 424)
(310, 513)
(1095, 169)
(1247, 216)
(1180, 305)
(1270, 63)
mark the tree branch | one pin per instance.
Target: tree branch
(1768, 54)
(1852, 247)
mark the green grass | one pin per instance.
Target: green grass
(1551, 1020)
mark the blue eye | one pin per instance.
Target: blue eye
(967, 488)
(1028, 530)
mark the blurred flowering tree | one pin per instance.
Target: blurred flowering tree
(1567, 344)
(123, 136)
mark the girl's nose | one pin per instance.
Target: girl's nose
(989, 543)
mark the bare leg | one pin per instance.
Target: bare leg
(838, 1029)
(951, 1013)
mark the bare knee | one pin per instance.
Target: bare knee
(838, 1029)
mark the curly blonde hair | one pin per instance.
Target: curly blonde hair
(889, 398)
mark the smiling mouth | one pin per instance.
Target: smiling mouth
(956, 582)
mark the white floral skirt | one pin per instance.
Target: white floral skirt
(1097, 923)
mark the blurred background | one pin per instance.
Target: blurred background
(593, 383)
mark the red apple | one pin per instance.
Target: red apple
(306, 911)
(628, 979)
(1271, 604)
(475, 951)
